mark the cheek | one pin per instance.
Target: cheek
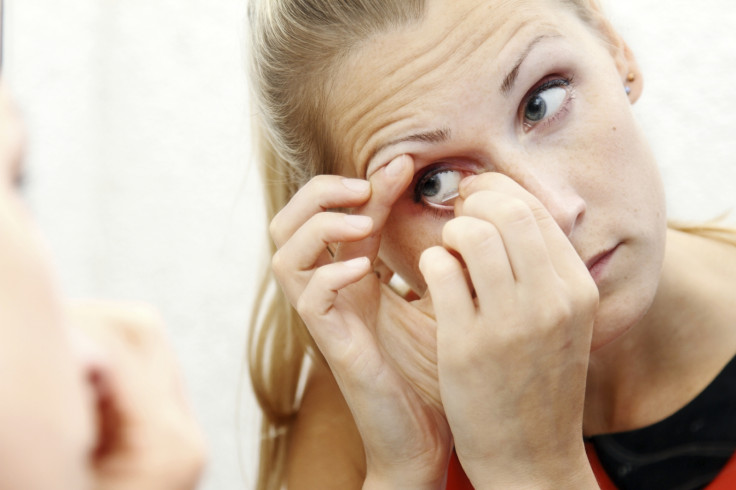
(409, 230)
(611, 159)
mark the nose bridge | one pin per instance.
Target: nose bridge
(554, 188)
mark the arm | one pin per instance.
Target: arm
(513, 339)
(343, 304)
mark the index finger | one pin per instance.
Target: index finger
(563, 255)
(387, 184)
(321, 193)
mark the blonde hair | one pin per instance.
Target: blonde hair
(296, 47)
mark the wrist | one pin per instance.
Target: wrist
(374, 481)
(573, 474)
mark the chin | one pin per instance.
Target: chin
(621, 313)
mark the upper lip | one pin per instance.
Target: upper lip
(592, 261)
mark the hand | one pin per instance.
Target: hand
(357, 322)
(147, 436)
(513, 338)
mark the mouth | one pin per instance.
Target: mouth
(597, 263)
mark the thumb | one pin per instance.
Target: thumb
(387, 184)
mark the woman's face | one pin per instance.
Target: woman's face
(526, 89)
(45, 411)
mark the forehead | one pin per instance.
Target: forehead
(395, 81)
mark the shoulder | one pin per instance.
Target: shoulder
(325, 450)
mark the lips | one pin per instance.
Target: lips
(595, 263)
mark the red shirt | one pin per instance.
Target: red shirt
(726, 479)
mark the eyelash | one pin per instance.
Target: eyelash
(566, 82)
(424, 176)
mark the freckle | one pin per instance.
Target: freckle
(614, 128)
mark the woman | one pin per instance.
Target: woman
(485, 152)
(98, 410)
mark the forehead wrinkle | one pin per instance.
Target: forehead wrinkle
(396, 77)
(404, 73)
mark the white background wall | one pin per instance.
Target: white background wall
(141, 177)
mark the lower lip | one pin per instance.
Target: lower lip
(599, 267)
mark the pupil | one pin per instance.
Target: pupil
(535, 109)
(432, 186)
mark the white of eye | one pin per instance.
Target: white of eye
(544, 103)
(554, 97)
(442, 187)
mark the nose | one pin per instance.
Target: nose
(562, 201)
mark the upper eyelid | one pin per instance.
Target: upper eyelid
(440, 164)
(548, 82)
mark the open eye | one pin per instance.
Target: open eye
(438, 187)
(546, 101)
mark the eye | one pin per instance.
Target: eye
(545, 101)
(438, 187)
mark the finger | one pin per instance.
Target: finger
(307, 247)
(316, 304)
(387, 184)
(451, 297)
(321, 193)
(518, 228)
(482, 248)
(562, 254)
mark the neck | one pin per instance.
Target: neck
(676, 349)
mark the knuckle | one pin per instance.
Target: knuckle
(482, 235)
(275, 227)
(318, 186)
(441, 271)
(279, 264)
(515, 211)
(303, 306)
(554, 311)
(322, 183)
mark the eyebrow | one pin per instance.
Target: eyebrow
(508, 82)
(434, 136)
(443, 134)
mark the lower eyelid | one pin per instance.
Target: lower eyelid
(564, 109)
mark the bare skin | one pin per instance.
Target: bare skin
(556, 305)
(91, 396)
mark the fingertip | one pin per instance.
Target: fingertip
(398, 165)
(465, 186)
(358, 263)
(358, 186)
(430, 256)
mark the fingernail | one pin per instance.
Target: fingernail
(466, 182)
(359, 221)
(357, 263)
(359, 186)
(394, 168)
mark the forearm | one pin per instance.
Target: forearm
(412, 482)
(572, 473)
